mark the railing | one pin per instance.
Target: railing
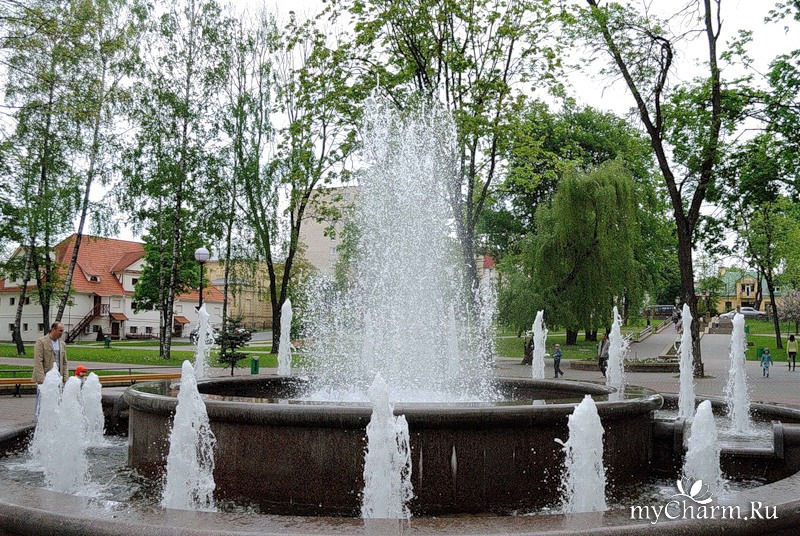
(100, 309)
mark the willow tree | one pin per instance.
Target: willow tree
(582, 259)
(684, 125)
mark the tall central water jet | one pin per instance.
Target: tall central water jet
(285, 347)
(615, 374)
(539, 342)
(408, 283)
(205, 339)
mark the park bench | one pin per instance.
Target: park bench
(116, 379)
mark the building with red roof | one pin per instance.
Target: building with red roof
(103, 283)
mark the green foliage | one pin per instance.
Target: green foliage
(232, 338)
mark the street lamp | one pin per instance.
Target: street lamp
(201, 255)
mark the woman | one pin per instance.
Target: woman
(791, 352)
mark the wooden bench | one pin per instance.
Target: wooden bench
(129, 379)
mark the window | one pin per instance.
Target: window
(40, 328)
(27, 300)
(133, 329)
(95, 328)
(134, 281)
(24, 327)
(148, 330)
(11, 328)
(94, 279)
(728, 305)
(179, 308)
(13, 301)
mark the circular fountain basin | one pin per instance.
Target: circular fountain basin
(292, 457)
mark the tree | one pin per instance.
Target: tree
(472, 58)
(231, 339)
(686, 123)
(790, 310)
(313, 98)
(175, 149)
(583, 258)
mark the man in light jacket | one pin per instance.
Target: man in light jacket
(48, 350)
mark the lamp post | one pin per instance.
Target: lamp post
(201, 255)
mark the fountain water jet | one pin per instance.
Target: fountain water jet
(737, 398)
(190, 464)
(285, 347)
(487, 311)
(91, 394)
(584, 479)
(539, 349)
(46, 433)
(702, 455)
(686, 392)
(205, 339)
(618, 347)
(387, 463)
(408, 275)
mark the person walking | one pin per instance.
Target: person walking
(791, 352)
(602, 353)
(557, 360)
(766, 362)
(49, 350)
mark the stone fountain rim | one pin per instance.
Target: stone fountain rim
(357, 415)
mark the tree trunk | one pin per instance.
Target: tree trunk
(591, 335)
(572, 337)
(774, 310)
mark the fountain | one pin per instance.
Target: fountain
(387, 464)
(618, 347)
(205, 339)
(539, 349)
(686, 393)
(703, 453)
(295, 445)
(190, 463)
(584, 480)
(487, 311)
(285, 347)
(738, 400)
(91, 395)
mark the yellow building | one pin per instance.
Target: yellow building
(248, 291)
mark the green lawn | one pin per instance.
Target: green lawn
(513, 347)
(766, 326)
(765, 341)
(108, 355)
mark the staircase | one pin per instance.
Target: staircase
(98, 310)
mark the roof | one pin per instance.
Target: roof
(103, 258)
(180, 319)
(118, 316)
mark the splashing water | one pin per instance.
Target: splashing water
(387, 463)
(190, 463)
(94, 420)
(487, 310)
(736, 395)
(45, 436)
(396, 317)
(686, 393)
(702, 455)
(285, 346)
(205, 339)
(65, 464)
(617, 348)
(584, 479)
(539, 348)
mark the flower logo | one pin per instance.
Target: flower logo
(698, 493)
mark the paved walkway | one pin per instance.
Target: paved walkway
(783, 386)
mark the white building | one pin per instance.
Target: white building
(103, 284)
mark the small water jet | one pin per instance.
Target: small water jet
(584, 479)
(618, 347)
(285, 347)
(487, 311)
(190, 463)
(63, 457)
(703, 452)
(94, 420)
(205, 339)
(737, 397)
(387, 463)
(46, 433)
(686, 392)
(539, 349)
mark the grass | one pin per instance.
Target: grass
(766, 327)
(109, 355)
(513, 347)
(765, 341)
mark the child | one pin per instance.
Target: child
(557, 360)
(766, 361)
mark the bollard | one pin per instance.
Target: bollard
(107, 341)
(254, 365)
